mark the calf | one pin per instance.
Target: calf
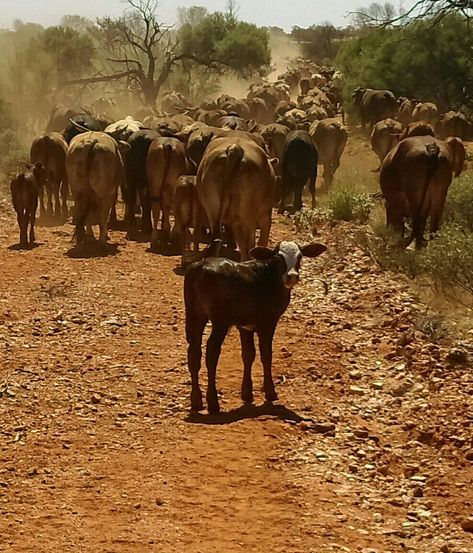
(24, 191)
(188, 213)
(252, 296)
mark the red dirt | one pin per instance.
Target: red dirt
(98, 451)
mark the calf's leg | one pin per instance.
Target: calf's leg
(214, 347)
(194, 332)
(32, 218)
(248, 354)
(22, 218)
(266, 353)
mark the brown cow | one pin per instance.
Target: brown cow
(165, 163)
(414, 178)
(427, 112)
(330, 138)
(24, 189)
(236, 187)
(94, 168)
(50, 150)
(418, 128)
(384, 137)
(453, 123)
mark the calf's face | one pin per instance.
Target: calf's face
(291, 254)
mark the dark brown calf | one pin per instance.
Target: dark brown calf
(24, 192)
(252, 296)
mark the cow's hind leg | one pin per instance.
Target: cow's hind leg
(248, 354)
(156, 210)
(57, 202)
(214, 347)
(64, 194)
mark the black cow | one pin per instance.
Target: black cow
(136, 179)
(299, 166)
(83, 123)
(252, 296)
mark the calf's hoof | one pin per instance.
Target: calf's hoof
(247, 396)
(271, 395)
(196, 401)
(212, 405)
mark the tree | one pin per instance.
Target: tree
(413, 61)
(191, 16)
(319, 42)
(143, 52)
(375, 14)
(76, 22)
(436, 10)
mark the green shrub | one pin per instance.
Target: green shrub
(345, 203)
(448, 259)
(11, 152)
(459, 204)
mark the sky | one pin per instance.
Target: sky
(280, 13)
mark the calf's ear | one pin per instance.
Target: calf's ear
(262, 254)
(314, 249)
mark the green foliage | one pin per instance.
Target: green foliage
(220, 41)
(459, 204)
(71, 52)
(319, 43)
(415, 61)
(346, 203)
(449, 259)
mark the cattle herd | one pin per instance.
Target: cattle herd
(218, 170)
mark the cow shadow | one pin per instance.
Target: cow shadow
(245, 412)
(22, 247)
(92, 250)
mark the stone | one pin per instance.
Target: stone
(467, 524)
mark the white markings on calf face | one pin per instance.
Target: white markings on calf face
(292, 256)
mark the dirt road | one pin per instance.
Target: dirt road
(369, 448)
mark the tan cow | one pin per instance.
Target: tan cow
(95, 171)
(236, 187)
(384, 137)
(418, 128)
(165, 163)
(330, 138)
(50, 150)
(414, 178)
(427, 112)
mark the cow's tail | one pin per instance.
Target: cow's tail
(433, 152)
(233, 157)
(84, 200)
(167, 152)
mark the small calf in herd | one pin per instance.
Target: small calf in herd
(252, 296)
(25, 188)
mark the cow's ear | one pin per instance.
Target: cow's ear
(262, 254)
(314, 249)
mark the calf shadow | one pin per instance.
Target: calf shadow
(244, 412)
(92, 250)
(22, 247)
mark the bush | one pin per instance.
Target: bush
(448, 259)
(11, 152)
(459, 204)
(345, 203)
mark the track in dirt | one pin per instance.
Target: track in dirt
(366, 450)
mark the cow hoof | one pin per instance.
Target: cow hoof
(196, 402)
(212, 406)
